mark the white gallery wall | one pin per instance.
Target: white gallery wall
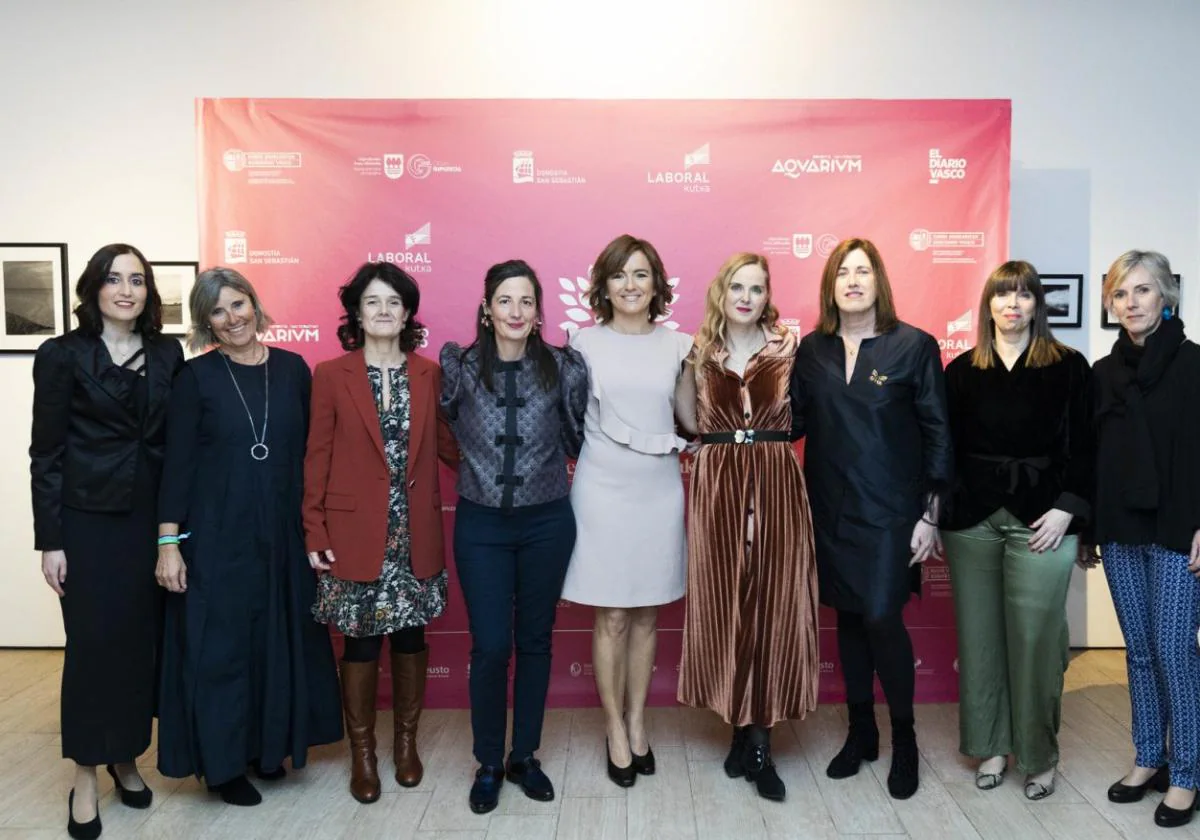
(97, 133)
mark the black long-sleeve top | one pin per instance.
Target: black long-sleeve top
(1023, 440)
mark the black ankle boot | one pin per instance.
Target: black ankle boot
(760, 769)
(862, 742)
(903, 777)
(734, 768)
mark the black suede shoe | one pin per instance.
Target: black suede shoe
(89, 830)
(862, 742)
(621, 776)
(238, 791)
(485, 793)
(734, 768)
(268, 775)
(1174, 817)
(1122, 793)
(903, 778)
(644, 764)
(760, 770)
(131, 798)
(527, 773)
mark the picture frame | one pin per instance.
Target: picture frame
(1064, 300)
(174, 281)
(34, 295)
(1106, 322)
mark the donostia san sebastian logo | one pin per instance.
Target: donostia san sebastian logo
(692, 180)
(238, 252)
(818, 165)
(524, 171)
(413, 256)
(574, 296)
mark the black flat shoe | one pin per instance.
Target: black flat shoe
(644, 764)
(1122, 793)
(238, 791)
(268, 775)
(1174, 817)
(131, 798)
(485, 793)
(82, 831)
(528, 774)
(621, 776)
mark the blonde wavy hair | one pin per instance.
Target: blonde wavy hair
(712, 335)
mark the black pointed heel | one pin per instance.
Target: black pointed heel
(131, 798)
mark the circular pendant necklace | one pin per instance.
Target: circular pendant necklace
(259, 451)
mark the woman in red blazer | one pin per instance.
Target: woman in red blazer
(372, 511)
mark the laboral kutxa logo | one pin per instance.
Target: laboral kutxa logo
(414, 256)
(692, 178)
(818, 165)
(574, 296)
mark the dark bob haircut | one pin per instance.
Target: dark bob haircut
(351, 334)
(95, 275)
(612, 261)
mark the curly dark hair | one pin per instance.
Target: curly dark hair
(350, 332)
(87, 290)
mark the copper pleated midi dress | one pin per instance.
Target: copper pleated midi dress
(750, 629)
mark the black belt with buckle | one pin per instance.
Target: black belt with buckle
(747, 436)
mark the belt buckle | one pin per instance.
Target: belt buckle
(743, 436)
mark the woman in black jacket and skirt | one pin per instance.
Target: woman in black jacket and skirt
(99, 409)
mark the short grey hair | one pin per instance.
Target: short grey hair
(203, 300)
(1155, 263)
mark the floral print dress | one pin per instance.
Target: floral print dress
(397, 599)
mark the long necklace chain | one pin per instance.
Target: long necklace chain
(259, 451)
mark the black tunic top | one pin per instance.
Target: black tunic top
(247, 674)
(1148, 442)
(1023, 440)
(877, 448)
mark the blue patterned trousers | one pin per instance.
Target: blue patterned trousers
(1158, 605)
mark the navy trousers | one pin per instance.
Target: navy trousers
(1158, 606)
(511, 564)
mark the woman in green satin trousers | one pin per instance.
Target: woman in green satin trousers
(1020, 413)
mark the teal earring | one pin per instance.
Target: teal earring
(1167, 313)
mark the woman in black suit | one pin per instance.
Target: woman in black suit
(99, 409)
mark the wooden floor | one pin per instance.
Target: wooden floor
(690, 797)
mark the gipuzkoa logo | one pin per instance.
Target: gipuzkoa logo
(818, 165)
(826, 244)
(236, 250)
(574, 296)
(412, 257)
(802, 245)
(960, 324)
(523, 167)
(393, 165)
(292, 333)
(419, 166)
(694, 182)
(945, 168)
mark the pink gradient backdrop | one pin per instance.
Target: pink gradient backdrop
(298, 193)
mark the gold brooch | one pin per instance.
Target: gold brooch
(877, 377)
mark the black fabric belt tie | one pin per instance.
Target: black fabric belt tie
(1031, 467)
(747, 436)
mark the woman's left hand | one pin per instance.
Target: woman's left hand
(1049, 530)
(926, 542)
(1194, 559)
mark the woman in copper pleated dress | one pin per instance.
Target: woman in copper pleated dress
(750, 632)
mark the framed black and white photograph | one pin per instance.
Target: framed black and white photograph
(175, 281)
(1110, 323)
(33, 294)
(1064, 299)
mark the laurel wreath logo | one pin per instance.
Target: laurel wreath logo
(574, 296)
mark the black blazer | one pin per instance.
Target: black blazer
(86, 440)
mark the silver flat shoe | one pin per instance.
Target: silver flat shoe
(1036, 790)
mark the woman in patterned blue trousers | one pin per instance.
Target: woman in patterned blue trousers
(1148, 525)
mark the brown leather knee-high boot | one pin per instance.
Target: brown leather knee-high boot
(408, 696)
(359, 682)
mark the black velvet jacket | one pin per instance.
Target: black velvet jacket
(87, 436)
(1023, 440)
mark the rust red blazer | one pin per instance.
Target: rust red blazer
(346, 478)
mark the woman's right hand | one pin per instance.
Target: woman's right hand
(54, 570)
(321, 561)
(171, 571)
